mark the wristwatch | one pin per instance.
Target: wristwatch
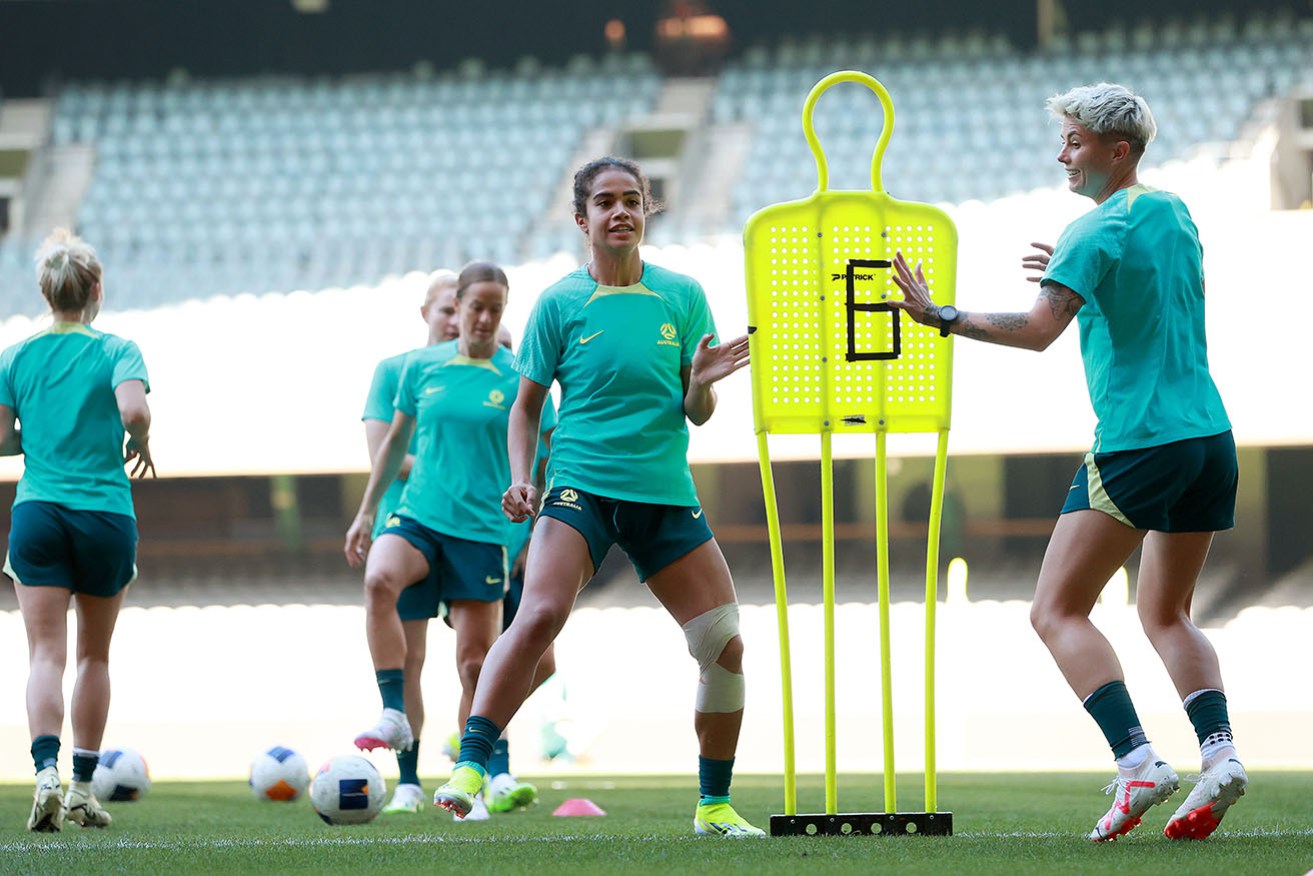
(947, 316)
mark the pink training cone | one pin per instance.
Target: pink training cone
(579, 806)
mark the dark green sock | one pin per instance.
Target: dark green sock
(476, 745)
(1208, 714)
(45, 752)
(500, 760)
(84, 764)
(1111, 708)
(714, 777)
(408, 764)
(392, 685)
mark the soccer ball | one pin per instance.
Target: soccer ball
(279, 774)
(347, 790)
(120, 776)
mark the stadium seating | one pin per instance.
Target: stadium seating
(970, 122)
(280, 183)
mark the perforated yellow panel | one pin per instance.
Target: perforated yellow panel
(828, 354)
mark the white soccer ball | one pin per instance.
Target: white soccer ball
(121, 775)
(347, 790)
(279, 774)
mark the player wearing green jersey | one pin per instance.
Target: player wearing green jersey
(455, 397)
(631, 346)
(505, 792)
(418, 602)
(1162, 472)
(73, 530)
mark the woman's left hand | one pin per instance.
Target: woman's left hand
(1037, 261)
(916, 301)
(711, 364)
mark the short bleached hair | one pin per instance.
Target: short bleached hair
(443, 277)
(1108, 109)
(440, 279)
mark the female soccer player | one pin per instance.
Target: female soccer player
(417, 603)
(630, 344)
(1162, 472)
(455, 398)
(73, 532)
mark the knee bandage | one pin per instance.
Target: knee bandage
(719, 690)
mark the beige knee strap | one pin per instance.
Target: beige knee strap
(719, 690)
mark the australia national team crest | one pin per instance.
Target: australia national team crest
(669, 336)
(567, 498)
(496, 399)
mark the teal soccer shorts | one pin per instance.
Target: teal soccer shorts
(89, 552)
(459, 569)
(653, 536)
(1185, 486)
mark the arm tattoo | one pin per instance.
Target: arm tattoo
(1008, 322)
(999, 326)
(1062, 301)
(968, 330)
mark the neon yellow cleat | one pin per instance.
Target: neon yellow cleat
(451, 748)
(720, 819)
(507, 793)
(457, 796)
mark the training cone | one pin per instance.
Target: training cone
(579, 806)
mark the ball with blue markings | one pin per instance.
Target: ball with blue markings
(347, 790)
(121, 776)
(279, 774)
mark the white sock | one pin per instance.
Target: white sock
(1217, 748)
(1133, 758)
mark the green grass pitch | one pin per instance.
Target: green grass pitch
(1010, 823)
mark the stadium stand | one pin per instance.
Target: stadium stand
(967, 124)
(225, 186)
(264, 184)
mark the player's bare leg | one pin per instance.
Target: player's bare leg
(408, 796)
(97, 616)
(698, 591)
(45, 617)
(559, 566)
(1169, 570)
(393, 565)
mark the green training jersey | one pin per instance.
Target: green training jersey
(617, 353)
(61, 385)
(520, 531)
(1137, 261)
(461, 407)
(379, 406)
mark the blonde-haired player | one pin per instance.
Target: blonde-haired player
(73, 529)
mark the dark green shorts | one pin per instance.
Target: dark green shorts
(458, 569)
(1185, 486)
(91, 552)
(653, 536)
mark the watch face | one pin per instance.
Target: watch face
(947, 313)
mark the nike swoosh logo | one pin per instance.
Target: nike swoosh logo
(590, 337)
(1073, 487)
(697, 514)
(489, 580)
(429, 390)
